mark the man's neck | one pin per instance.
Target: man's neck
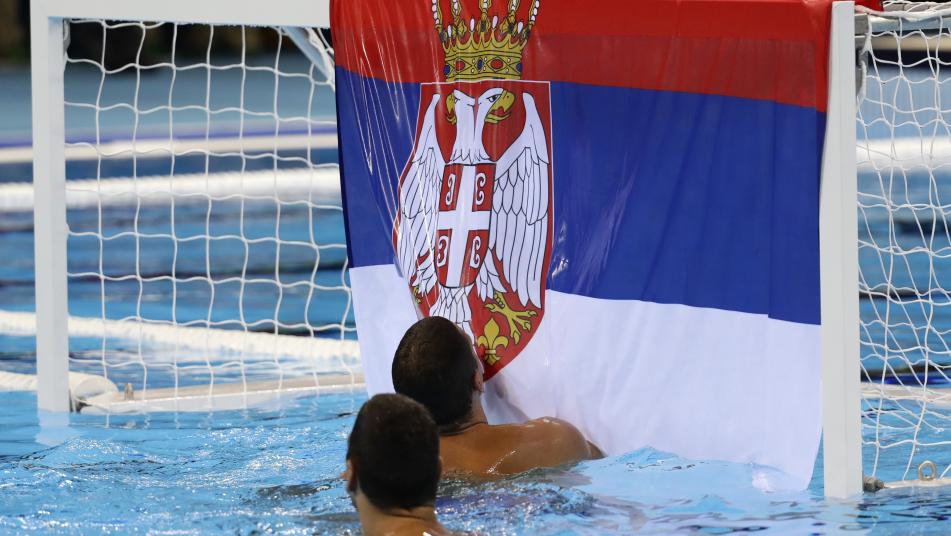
(377, 521)
(477, 414)
(475, 418)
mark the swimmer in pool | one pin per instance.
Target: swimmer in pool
(393, 468)
(436, 365)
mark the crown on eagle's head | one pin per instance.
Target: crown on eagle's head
(484, 48)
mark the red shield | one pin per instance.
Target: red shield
(501, 324)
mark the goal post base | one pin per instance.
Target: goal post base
(218, 397)
(92, 394)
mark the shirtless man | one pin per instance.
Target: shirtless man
(393, 468)
(436, 365)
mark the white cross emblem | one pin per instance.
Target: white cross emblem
(460, 221)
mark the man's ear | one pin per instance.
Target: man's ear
(351, 476)
(478, 379)
(440, 467)
(347, 471)
(478, 382)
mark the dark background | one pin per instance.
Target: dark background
(122, 43)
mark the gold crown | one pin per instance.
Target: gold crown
(484, 49)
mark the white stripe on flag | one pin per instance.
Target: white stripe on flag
(700, 383)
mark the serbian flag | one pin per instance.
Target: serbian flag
(618, 200)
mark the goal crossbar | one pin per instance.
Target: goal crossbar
(294, 13)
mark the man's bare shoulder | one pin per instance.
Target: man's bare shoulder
(557, 430)
(553, 423)
(416, 528)
(494, 451)
(545, 442)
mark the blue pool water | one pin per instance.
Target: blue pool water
(275, 471)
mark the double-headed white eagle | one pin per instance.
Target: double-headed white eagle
(518, 221)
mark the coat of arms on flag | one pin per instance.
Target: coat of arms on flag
(473, 233)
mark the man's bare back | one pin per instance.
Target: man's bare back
(485, 451)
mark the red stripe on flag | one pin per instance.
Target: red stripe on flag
(760, 49)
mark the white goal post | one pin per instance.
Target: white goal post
(842, 454)
(48, 63)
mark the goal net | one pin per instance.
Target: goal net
(206, 254)
(904, 203)
(206, 250)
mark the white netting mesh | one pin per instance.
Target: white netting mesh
(206, 241)
(904, 200)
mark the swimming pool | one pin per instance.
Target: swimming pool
(275, 471)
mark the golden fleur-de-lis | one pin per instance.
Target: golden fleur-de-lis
(491, 340)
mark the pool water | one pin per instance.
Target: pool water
(275, 470)
(264, 470)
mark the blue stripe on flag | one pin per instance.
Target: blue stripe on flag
(665, 197)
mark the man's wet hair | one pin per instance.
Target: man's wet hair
(394, 450)
(434, 366)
